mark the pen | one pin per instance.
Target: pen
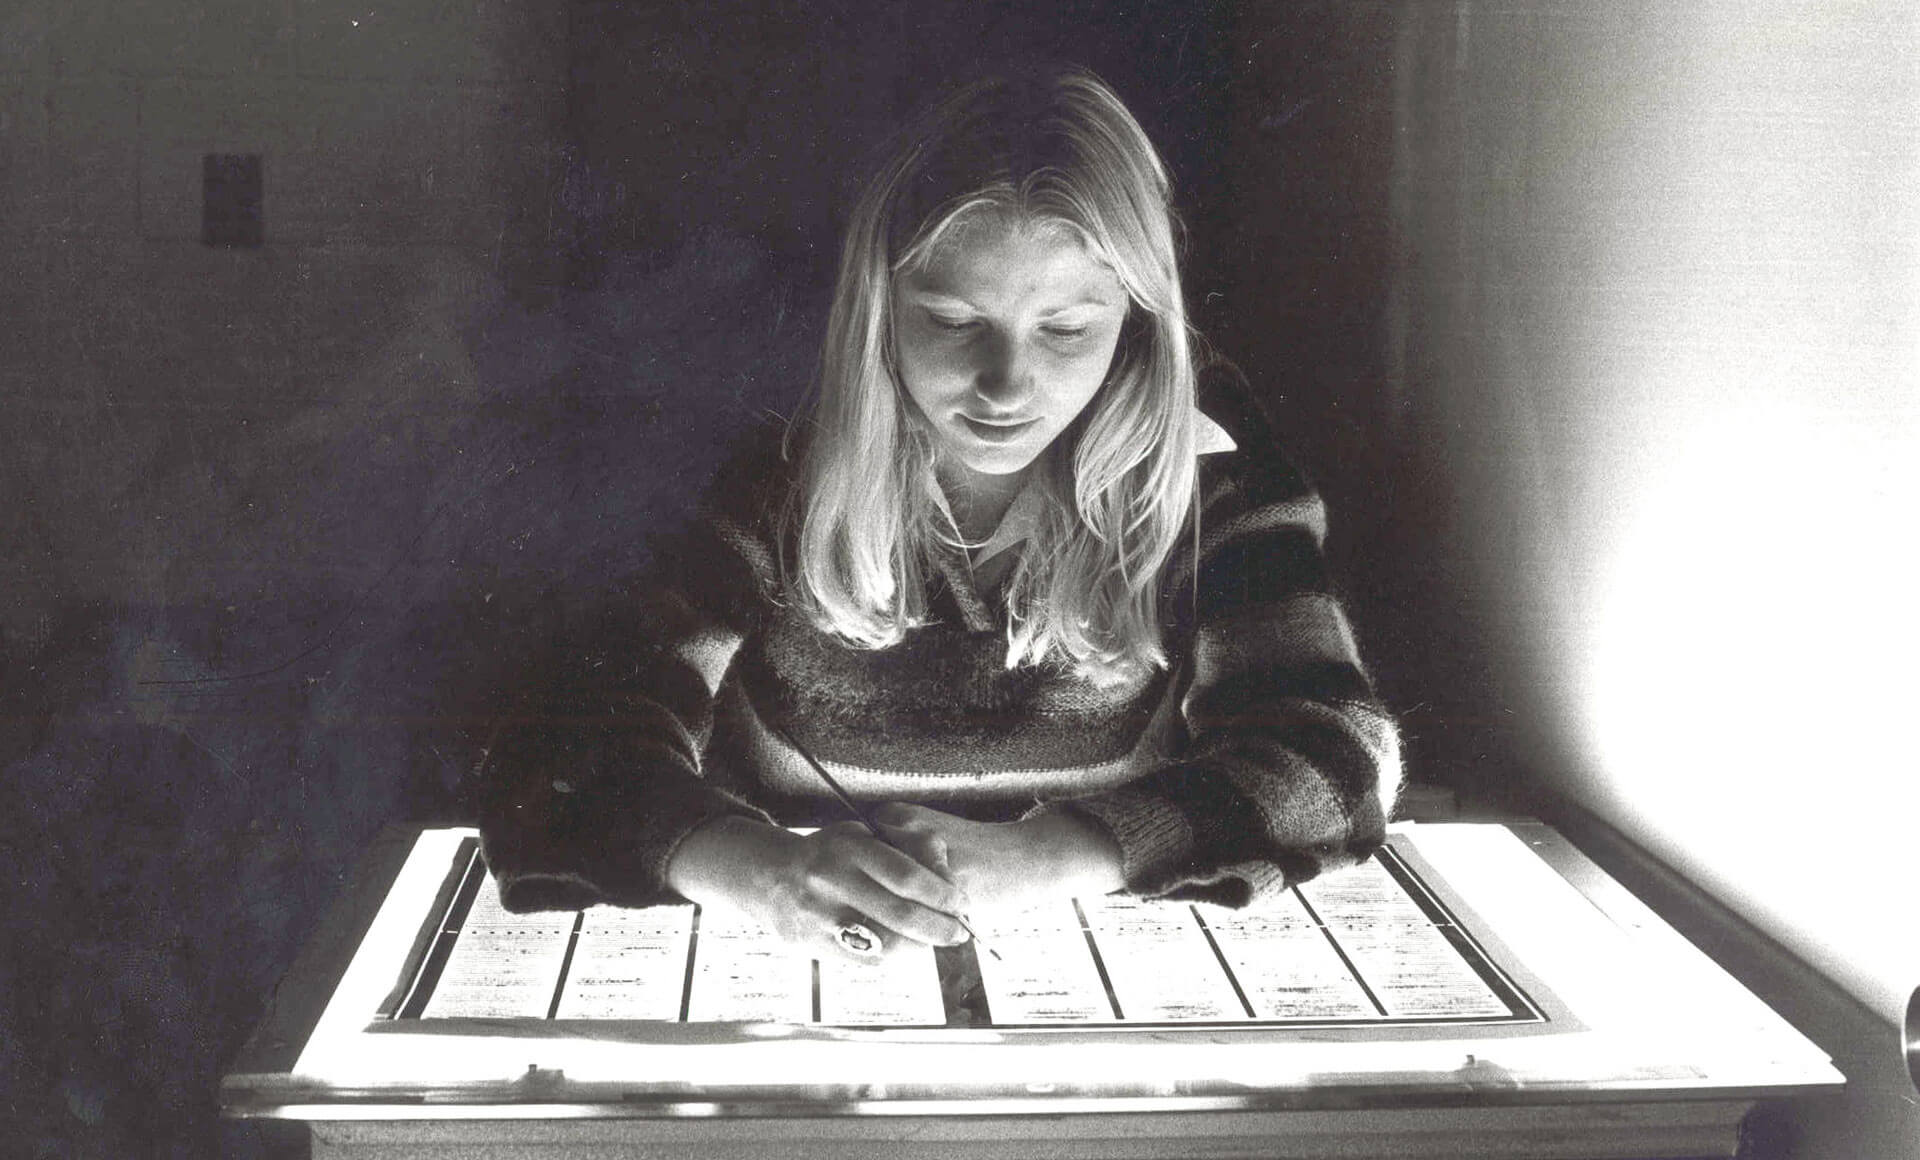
(860, 815)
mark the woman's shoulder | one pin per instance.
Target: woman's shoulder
(1261, 520)
(1260, 464)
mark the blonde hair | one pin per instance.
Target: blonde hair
(1058, 150)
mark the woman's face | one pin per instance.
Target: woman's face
(1002, 338)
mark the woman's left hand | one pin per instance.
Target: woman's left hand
(1007, 866)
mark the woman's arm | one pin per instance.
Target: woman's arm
(1293, 765)
(596, 792)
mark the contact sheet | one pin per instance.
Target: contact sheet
(1368, 946)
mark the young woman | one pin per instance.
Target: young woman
(1024, 581)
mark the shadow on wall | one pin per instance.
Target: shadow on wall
(185, 774)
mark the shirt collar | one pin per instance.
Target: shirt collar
(1209, 437)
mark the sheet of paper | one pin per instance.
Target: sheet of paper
(742, 973)
(1159, 961)
(1045, 972)
(503, 966)
(1415, 972)
(1365, 893)
(1406, 961)
(628, 964)
(1286, 967)
(901, 990)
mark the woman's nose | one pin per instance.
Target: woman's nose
(1003, 378)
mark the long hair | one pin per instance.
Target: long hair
(1057, 150)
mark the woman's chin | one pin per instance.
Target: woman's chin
(984, 469)
(996, 461)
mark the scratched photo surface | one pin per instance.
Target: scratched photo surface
(351, 351)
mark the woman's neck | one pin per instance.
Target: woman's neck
(980, 501)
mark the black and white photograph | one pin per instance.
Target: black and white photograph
(923, 578)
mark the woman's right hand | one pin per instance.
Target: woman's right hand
(806, 888)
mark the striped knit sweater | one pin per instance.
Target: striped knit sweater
(1258, 759)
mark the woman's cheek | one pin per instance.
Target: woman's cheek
(945, 362)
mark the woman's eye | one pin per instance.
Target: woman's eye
(1065, 332)
(953, 324)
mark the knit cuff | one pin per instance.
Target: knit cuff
(1262, 881)
(604, 843)
(1152, 833)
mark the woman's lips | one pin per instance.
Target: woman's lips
(996, 432)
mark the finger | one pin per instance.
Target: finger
(928, 849)
(858, 939)
(905, 916)
(907, 874)
(932, 853)
(848, 870)
(897, 865)
(811, 923)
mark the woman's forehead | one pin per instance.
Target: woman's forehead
(995, 257)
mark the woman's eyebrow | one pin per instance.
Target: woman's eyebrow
(1091, 298)
(928, 297)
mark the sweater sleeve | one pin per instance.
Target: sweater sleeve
(1292, 765)
(594, 777)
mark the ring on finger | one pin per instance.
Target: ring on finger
(858, 938)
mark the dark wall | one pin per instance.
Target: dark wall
(278, 520)
(759, 118)
(749, 125)
(1299, 276)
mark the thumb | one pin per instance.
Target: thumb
(928, 849)
(896, 815)
(934, 856)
